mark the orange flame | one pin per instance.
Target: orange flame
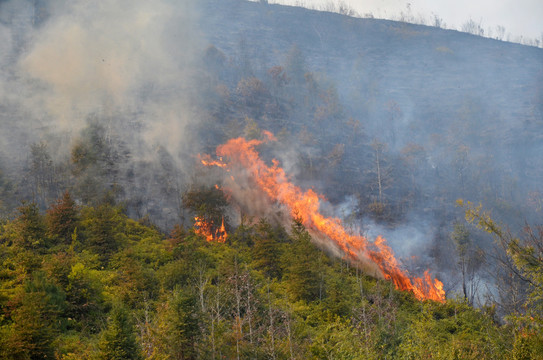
(207, 161)
(205, 229)
(273, 181)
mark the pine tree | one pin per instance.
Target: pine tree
(177, 326)
(31, 226)
(266, 250)
(62, 218)
(105, 228)
(118, 340)
(302, 263)
(36, 321)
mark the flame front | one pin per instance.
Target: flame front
(205, 229)
(272, 180)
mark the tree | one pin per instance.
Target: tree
(473, 27)
(278, 78)
(84, 297)
(42, 171)
(382, 171)
(266, 251)
(176, 328)
(214, 60)
(31, 227)
(208, 205)
(36, 319)
(252, 130)
(451, 331)
(381, 180)
(97, 161)
(62, 218)
(469, 260)
(104, 227)
(301, 265)
(6, 192)
(118, 340)
(254, 95)
(394, 114)
(526, 255)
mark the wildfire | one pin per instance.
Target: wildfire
(273, 181)
(205, 229)
(207, 161)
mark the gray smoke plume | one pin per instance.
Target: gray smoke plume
(125, 61)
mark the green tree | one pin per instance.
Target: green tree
(452, 330)
(84, 297)
(6, 192)
(62, 218)
(301, 265)
(208, 204)
(266, 251)
(31, 227)
(104, 226)
(118, 340)
(36, 320)
(176, 328)
(526, 253)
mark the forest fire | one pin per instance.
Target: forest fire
(273, 181)
(205, 229)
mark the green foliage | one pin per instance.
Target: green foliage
(104, 226)
(62, 218)
(207, 203)
(31, 227)
(336, 339)
(526, 256)
(302, 261)
(118, 341)
(35, 320)
(176, 328)
(452, 331)
(6, 193)
(120, 289)
(266, 252)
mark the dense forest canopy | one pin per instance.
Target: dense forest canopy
(117, 241)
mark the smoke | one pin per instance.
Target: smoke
(453, 124)
(131, 62)
(407, 240)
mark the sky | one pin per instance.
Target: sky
(519, 17)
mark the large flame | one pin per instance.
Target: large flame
(205, 229)
(273, 181)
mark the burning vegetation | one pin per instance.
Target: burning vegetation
(206, 229)
(241, 156)
(393, 137)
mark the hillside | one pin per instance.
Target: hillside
(118, 289)
(231, 179)
(430, 73)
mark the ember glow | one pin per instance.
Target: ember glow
(240, 154)
(205, 229)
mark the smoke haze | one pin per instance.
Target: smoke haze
(391, 122)
(64, 62)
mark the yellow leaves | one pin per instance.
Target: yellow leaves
(481, 218)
